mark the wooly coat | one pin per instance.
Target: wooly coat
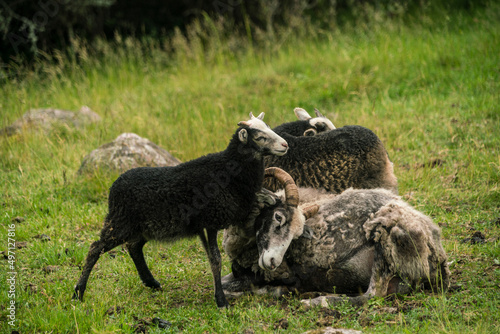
(195, 198)
(367, 241)
(347, 157)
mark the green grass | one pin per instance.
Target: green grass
(429, 89)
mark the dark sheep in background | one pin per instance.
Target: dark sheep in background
(334, 160)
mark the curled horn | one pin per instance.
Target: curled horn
(291, 191)
(310, 211)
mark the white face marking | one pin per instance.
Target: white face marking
(271, 258)
(265, 137)
(323, 120)
(304, 116)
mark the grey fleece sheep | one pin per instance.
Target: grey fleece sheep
(196, 198)
(360, 240)
(334, 160)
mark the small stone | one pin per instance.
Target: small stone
(318, 301)
(18, 219)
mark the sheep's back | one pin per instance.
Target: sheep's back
(351, 156)
(173, 202)
(338, 228)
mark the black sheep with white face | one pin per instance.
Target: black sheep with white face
(195, 198)
(334, 159)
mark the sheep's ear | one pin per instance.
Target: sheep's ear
(318, 114)
(243, 136)
(310, 132)
(308, 232)
(301, 114)
(261, 116)
(266, 197)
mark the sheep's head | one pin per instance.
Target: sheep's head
(259, 136)
(317, 124)
(280, 222)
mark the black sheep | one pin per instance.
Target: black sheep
(196, 198)
(334, 160)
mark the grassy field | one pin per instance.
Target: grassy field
(430, 89)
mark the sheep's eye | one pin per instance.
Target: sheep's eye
(278, 217)
(261, 138)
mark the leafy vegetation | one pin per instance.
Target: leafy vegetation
(428, 86)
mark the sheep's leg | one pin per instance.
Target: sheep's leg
(209, 242)
(135, 251)
(96, 249)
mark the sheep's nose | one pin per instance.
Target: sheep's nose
(273, 266)
(284, 145)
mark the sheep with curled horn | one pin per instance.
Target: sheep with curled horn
(306, 125)
(362, 242)
(334, 159)
(196, 198)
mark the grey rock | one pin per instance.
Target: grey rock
(127, 151)
(46, 119)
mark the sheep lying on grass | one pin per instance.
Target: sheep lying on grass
(331, 161)
(334, 159)
(195, 198)
(361, 240)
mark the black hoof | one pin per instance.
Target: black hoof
(77, 295)
(153, 285)
(221, 304)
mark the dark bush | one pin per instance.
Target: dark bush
(27, 26)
